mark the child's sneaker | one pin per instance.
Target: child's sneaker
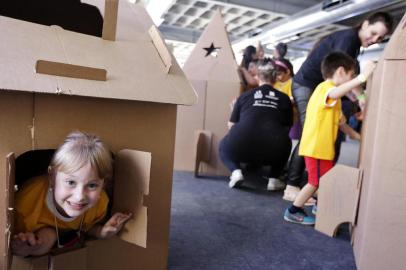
(275, 184)
(314, 209)
(299, 218)
(236, 179)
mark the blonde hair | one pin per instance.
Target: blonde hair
(77, 150)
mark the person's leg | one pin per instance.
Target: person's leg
(236, 177)
(278, 161)
(301, 95)
(225, 156)
(295, 213)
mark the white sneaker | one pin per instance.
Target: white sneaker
(275, 184)
(236, 178)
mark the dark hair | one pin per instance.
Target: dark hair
(282, 49)
(382, 17)
(267, 70)
(285, 64)
(335, 60)
(247, 56)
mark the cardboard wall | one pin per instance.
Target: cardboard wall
(216, 80)
(121, 125)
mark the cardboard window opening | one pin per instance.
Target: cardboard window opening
(131, 184)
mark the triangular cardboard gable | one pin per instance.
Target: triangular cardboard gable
(222, 67)
(215, 78)
(131, 61)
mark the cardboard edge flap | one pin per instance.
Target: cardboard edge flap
(69, 70)
(131, 187)
(110, 20)
(9, 203)
(161, 48)
(203, 142)
(338, 196)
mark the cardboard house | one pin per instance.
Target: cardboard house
(123, 87)
(212, 70)
(372, 197)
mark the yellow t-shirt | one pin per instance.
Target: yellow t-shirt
(32, 212)
(284, 87)
(321, 124)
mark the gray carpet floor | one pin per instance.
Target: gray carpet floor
(214, 227)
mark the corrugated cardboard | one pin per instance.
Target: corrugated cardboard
(217, 82)
(38, 111)
(379, 239)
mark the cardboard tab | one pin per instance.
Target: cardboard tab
(338, 196)
(72, 71)
(110, 20)
(161, 48)
(203, 148)
(132, 172)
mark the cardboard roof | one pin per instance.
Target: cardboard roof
(221, 68)
(138, 64)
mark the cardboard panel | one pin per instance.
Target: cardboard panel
(76, 259)
(28, 42)
(73, 71)
(15, 136)
(218, 111)
(337, 198)
(33, 263)
(189, 120)
(121, 125)
(132, 172)
(381, 222)
(10, 180)
(202, 149)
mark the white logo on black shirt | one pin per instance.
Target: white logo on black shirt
(258, 94)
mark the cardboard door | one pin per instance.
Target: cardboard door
(131, 184)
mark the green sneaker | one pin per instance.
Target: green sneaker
(299, 218)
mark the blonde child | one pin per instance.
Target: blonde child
(70, 198)
(323, 118)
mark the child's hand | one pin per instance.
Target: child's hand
(368, 68)
(114, 225)
(25, 244)
(355, 136)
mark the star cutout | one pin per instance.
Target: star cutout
(212, 50)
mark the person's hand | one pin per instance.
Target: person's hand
(114, 225)
(355, 136)
(368, 68)
(25, 244)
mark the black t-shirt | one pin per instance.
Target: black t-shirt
(346, 41)
(263, 108)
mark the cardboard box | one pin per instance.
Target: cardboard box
(133, 110)
(379, 239)
(212, 70)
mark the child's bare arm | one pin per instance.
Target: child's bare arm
(111, 227)
(35, 244)
(344, 127)
(344, 88)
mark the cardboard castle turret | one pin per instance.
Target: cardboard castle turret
(212, 70)
(126, 91)
(372, 197)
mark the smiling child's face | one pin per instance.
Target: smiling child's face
(76, 192)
